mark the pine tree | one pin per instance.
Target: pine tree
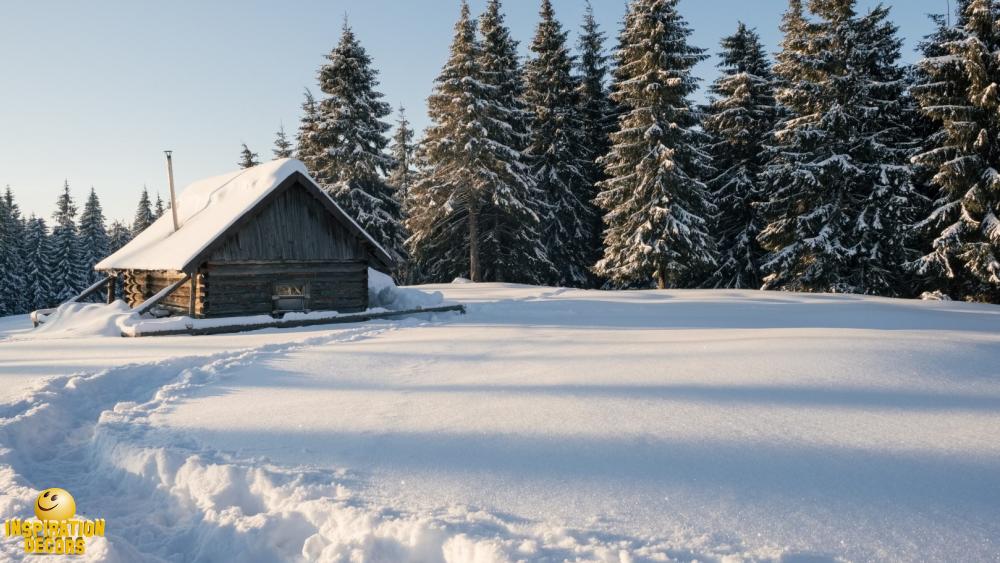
(93, 236)
(558, 154)
(68, 275)
(837, 177)
(471, 196)
(656, 208)
(6, 253)
(512, 249)
(962, 94)
(282, 146)
(143, 214)
(37, 264)
(118, 236)
(352, 133)
(158, 207)
(13, 250)
(598, 111)
(932, 138)
(885, 200)
(805, 228)
(445, 203)
(248, 158)
(402, 176)
(739, 120)
(308, 149)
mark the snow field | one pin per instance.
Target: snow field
(182, 503)
(545, 425)
(725, 424)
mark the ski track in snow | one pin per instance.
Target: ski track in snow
(89, 433)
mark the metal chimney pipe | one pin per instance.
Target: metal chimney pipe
(173, 196)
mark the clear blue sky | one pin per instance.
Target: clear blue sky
(94, 91)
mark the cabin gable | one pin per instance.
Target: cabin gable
(293, 226)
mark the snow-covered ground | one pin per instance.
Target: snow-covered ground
(546, 424)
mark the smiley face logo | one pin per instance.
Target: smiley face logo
(55, 504)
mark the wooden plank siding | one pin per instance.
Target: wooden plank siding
(295, 227)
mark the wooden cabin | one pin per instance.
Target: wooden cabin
(265, 240)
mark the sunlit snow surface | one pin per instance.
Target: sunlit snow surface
(544, 425)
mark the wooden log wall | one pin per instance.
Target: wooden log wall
(247, 288)
(140, 285)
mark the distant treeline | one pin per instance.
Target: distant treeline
(42, 265)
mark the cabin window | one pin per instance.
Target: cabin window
(290, 297)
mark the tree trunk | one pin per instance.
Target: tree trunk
(661, 278)
(474, 274)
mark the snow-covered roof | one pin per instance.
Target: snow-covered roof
(206, 209)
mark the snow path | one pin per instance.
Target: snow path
(87, 433)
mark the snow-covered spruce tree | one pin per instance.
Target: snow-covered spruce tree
(739, 120)
(401, 179)
(806, 223)
(37, 264)
(445, 202)
(471, 192)
(558, 155)
(656, 207)
(118, 236)
(963, 95)
(885, 200)
(402, 175)
(282, 146)
(598, 111)
(158, 208)
(307, 149)
(248, 158)
(143, 214)
(13, 250)
(837, 178)
(6, 253)
(352, 134)
(931, 138)
(512, 246)
(68, 274)
(93, 237)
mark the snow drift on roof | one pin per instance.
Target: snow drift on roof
(205, 209)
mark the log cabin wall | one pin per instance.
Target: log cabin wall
(140, 285)
(248, 288)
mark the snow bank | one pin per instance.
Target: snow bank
(86, 319)
(383, 292)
